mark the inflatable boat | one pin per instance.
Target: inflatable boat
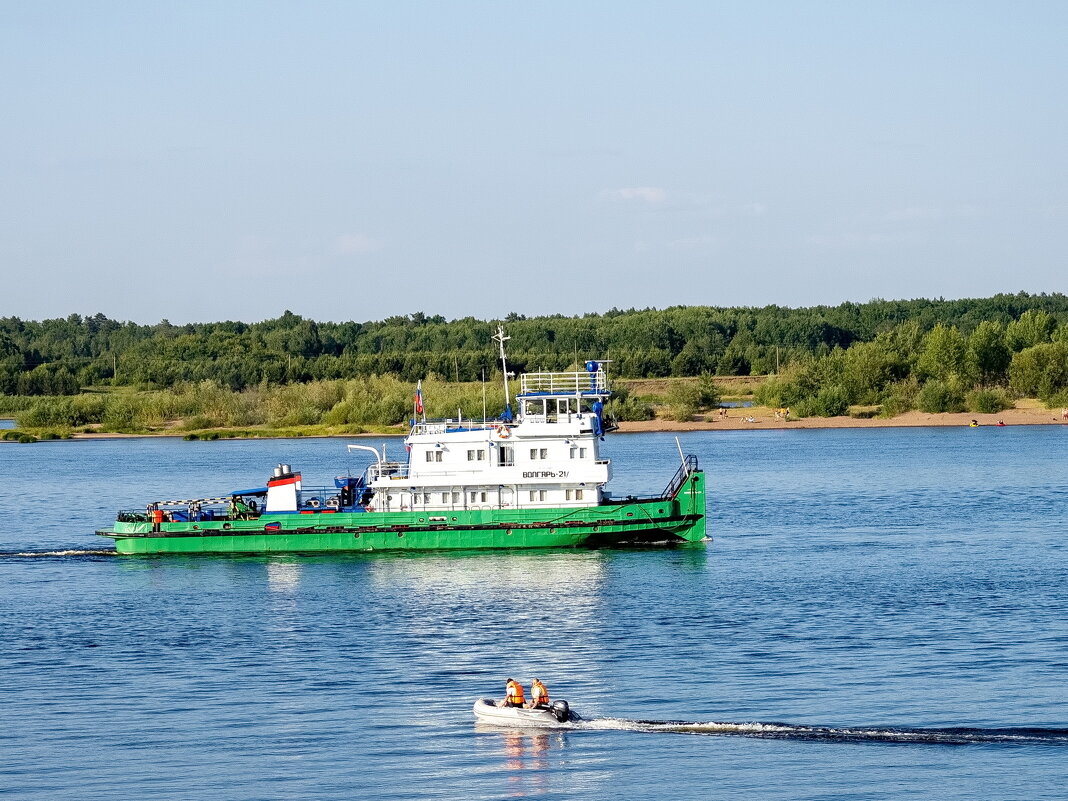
(487, 711)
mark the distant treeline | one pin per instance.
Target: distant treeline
(853, 353)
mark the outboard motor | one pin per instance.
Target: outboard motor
(561, 711)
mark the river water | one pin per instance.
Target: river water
(895, 600)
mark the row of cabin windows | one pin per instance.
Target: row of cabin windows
(455, 498)
(473, 455)
(556, 406)
(480, 496)
(543, 453)
(506, 454)
(571, 495)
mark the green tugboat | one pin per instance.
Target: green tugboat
(532, 480)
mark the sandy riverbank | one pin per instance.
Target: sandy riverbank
(1027, 413)
(764, 418)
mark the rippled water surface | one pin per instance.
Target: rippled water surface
(882, 614)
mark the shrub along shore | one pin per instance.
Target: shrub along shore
(384, 405)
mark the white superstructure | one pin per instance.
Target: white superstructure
(547, 457)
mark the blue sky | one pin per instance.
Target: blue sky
(229, 160)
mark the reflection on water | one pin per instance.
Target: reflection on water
(526, 757)
(283, 576)
(538, 573)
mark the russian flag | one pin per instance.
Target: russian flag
(419, 397)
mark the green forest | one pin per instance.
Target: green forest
(937, 355)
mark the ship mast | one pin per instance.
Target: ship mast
(501, 338)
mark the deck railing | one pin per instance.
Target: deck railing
(392, 470)
(688, 466)
(445, 426)
(580, 383)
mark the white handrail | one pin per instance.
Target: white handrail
(378, 458)
(577, 383)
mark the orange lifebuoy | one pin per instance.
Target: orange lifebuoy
(503, 432)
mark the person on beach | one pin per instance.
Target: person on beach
(513, 694)
(539, 695)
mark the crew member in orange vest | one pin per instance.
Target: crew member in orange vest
(539, 695)
(513, 694)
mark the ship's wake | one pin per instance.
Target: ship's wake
(956, 735)
(75, 552)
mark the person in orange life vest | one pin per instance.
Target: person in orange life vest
(513, 694)
(539, 695)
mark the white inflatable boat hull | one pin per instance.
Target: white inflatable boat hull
(487, 711)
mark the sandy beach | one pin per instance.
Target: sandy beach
(1025, 414)
(1028, 412)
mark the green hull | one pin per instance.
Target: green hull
(679, 518)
